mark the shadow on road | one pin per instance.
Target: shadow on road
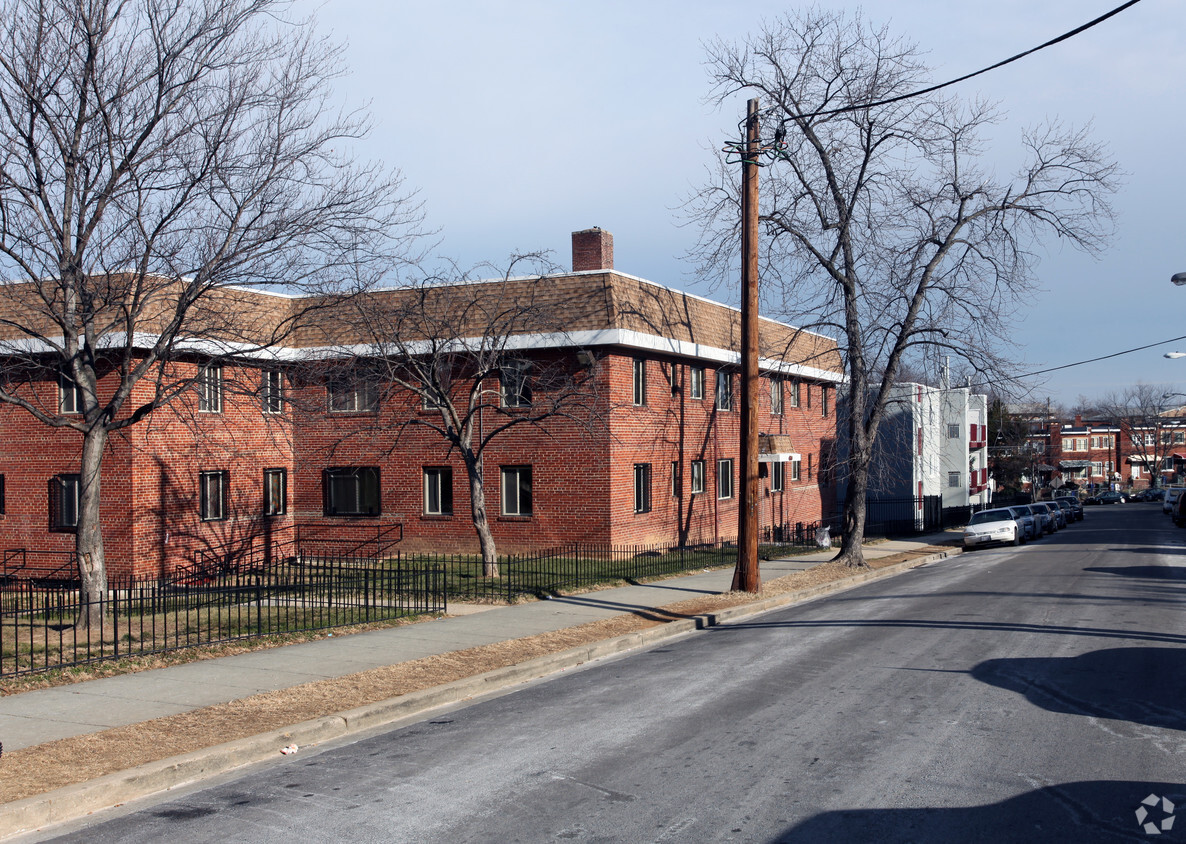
(1146, 572)
(948, 624)
(1097, 810)
(1141, 685)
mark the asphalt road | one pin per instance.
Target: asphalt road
(1011, 694)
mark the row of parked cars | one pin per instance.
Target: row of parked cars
(1019, 523)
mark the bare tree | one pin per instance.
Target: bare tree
(157, 154)
(482, 357)
(1011, 457)
(878, 220)
(1140, 411)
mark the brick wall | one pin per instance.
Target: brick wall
(582, 469)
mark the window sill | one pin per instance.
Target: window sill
(436, 517)
(518, 518)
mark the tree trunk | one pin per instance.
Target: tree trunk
(853, 534)
(477, 507)
(88, 540)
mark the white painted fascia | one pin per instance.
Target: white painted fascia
(517, 342)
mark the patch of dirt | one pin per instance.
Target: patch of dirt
(36, 770)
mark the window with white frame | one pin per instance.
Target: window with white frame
(275, 492)
(64, 493)
(69, 395)
(796, 470)
(1097, 468)
(795, 393)
(642, 487)
(272, 391)
(824, 401)
(212, 495)
(724, 479)
(640, 382)
(351, 491)
(778, 473)
(696, 379)
(1179, 437)
(516, 490)
(438, 491)
(953, 430)
(1150, 439)
(953, 480)
(353, 396)
(515, 383)
(696, 482)
(724, 390)
(776, 396)
(210, 389)
(676, 480)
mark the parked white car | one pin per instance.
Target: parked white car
(991, 526)
(1171, 495)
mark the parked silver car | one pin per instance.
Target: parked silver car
(1029, 522)
(1045, 519)
(1057, 513)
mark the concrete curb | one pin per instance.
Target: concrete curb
(75, 801)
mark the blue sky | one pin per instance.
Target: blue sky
(521, 122)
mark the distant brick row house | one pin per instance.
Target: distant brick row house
(295, 441)
(1102, 454)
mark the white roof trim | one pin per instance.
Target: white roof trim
(600, 337)
(580, 339)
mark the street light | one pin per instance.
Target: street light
(1178, 278)
(1174, 355)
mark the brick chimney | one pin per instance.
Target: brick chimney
(592, 249)
(1078, 420)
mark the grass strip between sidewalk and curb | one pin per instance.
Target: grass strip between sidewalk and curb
(72, 777)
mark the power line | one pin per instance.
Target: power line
(1090, 360)
(967, 76)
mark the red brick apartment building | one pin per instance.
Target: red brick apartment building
(1106, 455)
(267, 447)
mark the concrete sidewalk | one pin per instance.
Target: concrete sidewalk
(44, 715)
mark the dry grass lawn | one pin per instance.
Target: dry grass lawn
(36, 770)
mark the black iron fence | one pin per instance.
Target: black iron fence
(576, 566)
(259, 589)
(38, 629)
(909, 516)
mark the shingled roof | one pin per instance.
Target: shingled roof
(591, 308)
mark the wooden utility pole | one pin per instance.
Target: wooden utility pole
(746, 576)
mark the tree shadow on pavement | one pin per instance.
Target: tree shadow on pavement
(1146, 572)
(1089, 811)
(1141, 685)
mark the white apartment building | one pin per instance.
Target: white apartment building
(933, 442)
